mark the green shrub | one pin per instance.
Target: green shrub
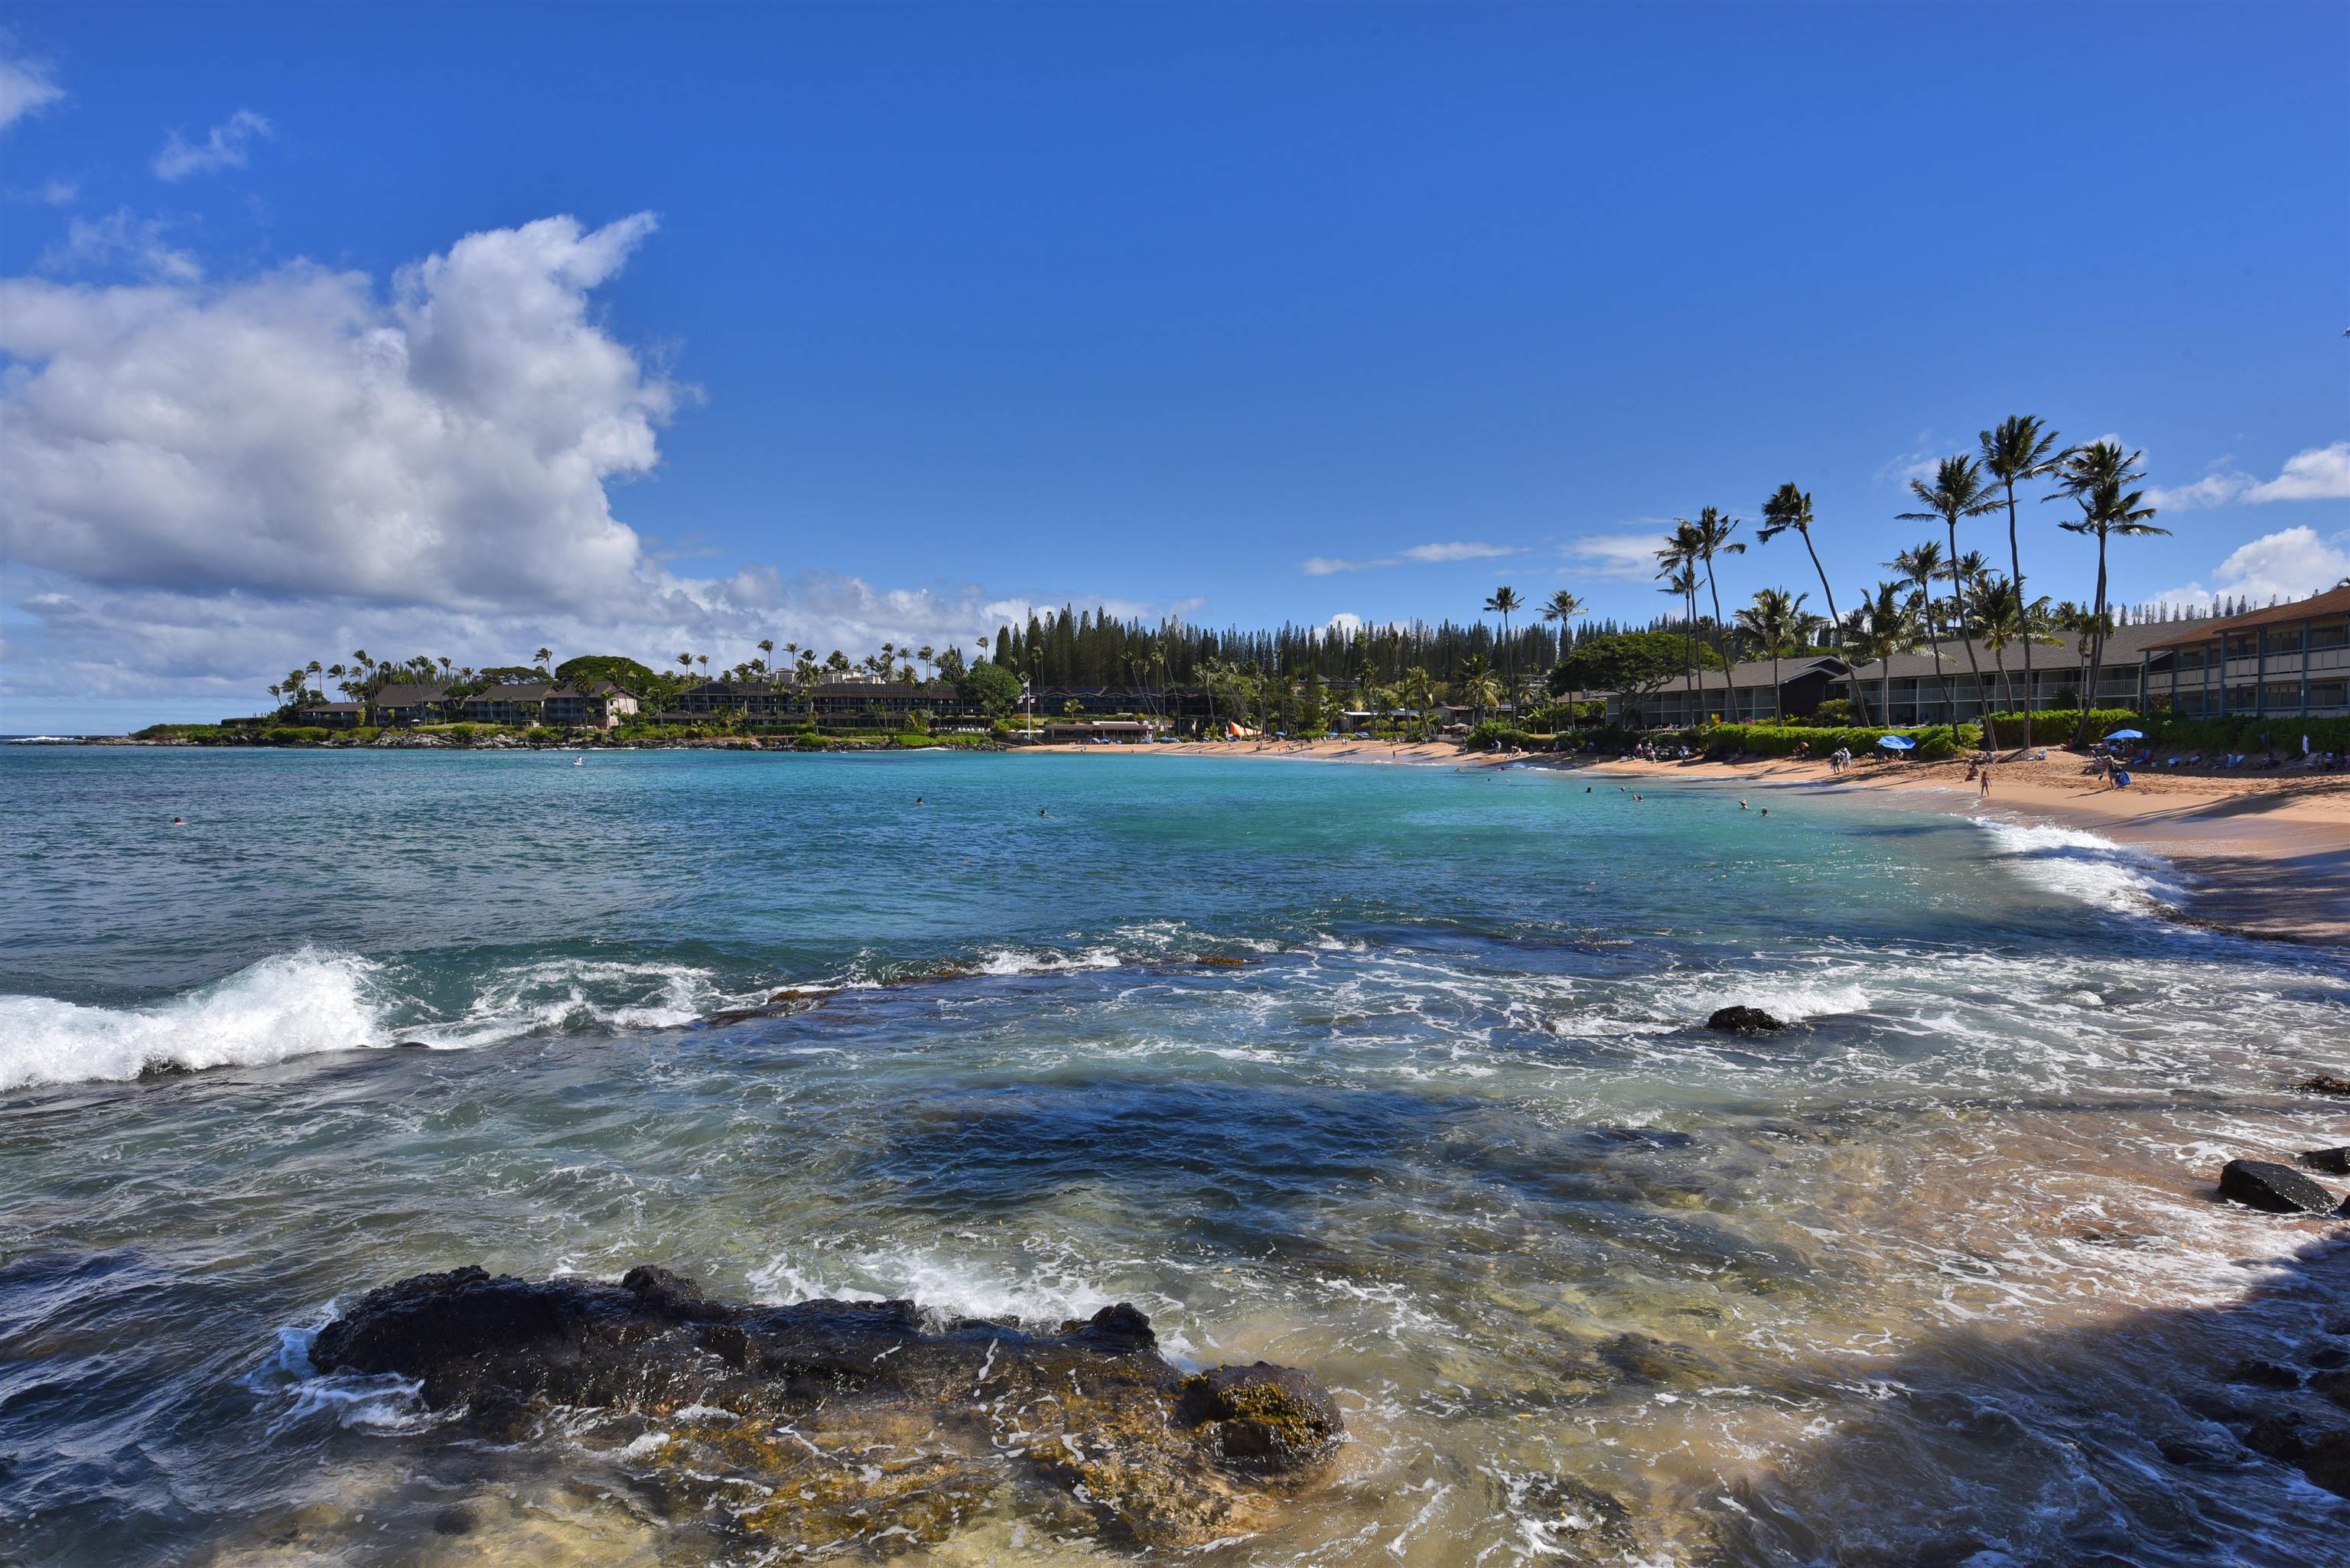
(1935, 741)
(2054, 726)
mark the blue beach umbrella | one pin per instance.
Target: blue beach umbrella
(1896, 743)
(2127, 735)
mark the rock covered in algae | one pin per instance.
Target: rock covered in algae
(839, 1425)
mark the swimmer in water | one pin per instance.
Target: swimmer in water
(179, 821)
(918, 800)
(1743, 806)
(1040, 811)
(1766, 811)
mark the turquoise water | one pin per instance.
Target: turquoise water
(1927, 1278)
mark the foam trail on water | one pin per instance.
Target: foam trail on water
(292, 1004)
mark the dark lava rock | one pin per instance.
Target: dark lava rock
(2325, 1460)
(2195, 1452)
(1221, 960)
(2264, 1374)
(2333, 1161)
(2324, 1084)
(1742, 1020)
(2279, 1188)
(1265, 1417)
(812, 1427)
(2335, 1386)
(782, 1004)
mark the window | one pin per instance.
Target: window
(2329, 634)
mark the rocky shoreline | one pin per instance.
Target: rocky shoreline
(830, 1423)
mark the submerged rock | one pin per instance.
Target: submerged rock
(2333, 1161)
(828, 1423)
(2324, 1084)
(1743, 1019)
(2279, 1188)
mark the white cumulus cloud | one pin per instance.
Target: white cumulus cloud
(223, 147)
(208, 482)
(1626, 556)
(26, 88)
(2317, 473)
(2289, 564)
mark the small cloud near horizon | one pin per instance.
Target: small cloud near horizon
(1424, 554)
(2313, 473)
(1624, 557)
(2289, 564)
(223, 147)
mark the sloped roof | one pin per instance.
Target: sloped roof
(2333, 601)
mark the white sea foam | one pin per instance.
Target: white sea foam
(2083, 866)
(294, 1004)
(305, 1002)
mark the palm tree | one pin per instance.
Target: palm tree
(767, 651)
(2019, 450)
(2007, 621)
(1476, 686)
(929, 656)
(1959, 492)
(2097, 478)
(1883, 626)
(1676, 566)
(276, 694)
(1419, 690)
(1792, 508)
(542, 656)
(1505, 602)
(1918, 564)
(1563, 606)
(2084, 626)
(1777, 621)
(1711, 537)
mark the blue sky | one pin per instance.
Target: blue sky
(878, 321)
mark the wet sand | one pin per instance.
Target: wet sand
(2269, 852)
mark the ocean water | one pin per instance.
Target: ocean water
(1932, 1277)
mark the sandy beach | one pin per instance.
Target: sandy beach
(2269, 855)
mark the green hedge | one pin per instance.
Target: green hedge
(2054, 726)
(1935, 741)
(2242, 732)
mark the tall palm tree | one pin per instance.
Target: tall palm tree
(1677, 566)
(1563, 606)
(1505, 602)
(543, 659)
(1712, 537)
(2097, 478)
(1958, 491)
(2018, 451)
(1683, 585)
(1792, 508)
(1777, 622)
(1918, 564)
(767, 651)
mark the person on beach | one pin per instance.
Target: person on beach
(1984, 793)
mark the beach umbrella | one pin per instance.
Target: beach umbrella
(2127, 735)
(1896, 743)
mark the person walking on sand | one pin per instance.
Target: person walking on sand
(1983, 791)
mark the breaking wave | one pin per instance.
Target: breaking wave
(310, 1001)
(2081, 866)
(294, 1004)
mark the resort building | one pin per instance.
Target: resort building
(407, 702)
(600, 707)
(334, 715)
(1923, 689)
(2288, 660)
(1744, 694)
